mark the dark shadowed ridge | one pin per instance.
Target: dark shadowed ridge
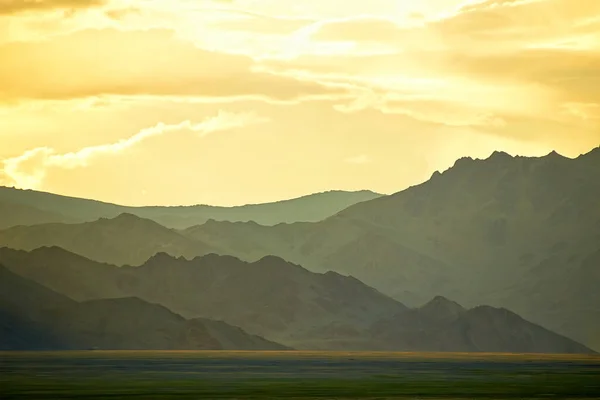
(33, 317)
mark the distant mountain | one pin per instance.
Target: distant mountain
(13, 214)
(47, 207)
(288, 304)
(126, 239)
(515, 232)
(33, 317)
(272, 298)
(444, 325)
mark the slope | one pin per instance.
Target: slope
(33, 317)
(314, 207)
(15, 214)
(271, 298)
(487, 231)
(126, 239)
(444, 325)
(286, 302)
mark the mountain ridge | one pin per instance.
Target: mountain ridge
(471, 233)
(33, 317)
(59, 208)
(514, 232)
(285, 303)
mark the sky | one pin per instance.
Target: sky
(228, 102)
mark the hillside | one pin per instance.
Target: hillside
(48, 207)
(514, 232)
(288, 304)
(33, 317)
(271, 298)
(126, 239)
(444, 325)
(14, 214)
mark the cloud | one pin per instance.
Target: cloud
(508, 24)
(9, 7)
(154, 62)
(573, 75)
(526, 58)
(433, 110)
(28, 170)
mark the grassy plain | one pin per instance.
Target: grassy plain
(295, 375)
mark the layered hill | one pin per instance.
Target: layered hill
(288, 304)
(46, 207)
(33, 317)
(272, 298)
(444, 325)
(13, 214)
(516, 232)
(126, 239)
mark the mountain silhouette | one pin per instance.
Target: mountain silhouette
(14, 214)
(444, 325)
(515, 232)
(521, 233)
(33, 317)
(288, 304)
(46, 207)
(125, 239)
(272, 298)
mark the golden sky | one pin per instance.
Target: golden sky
(242, 101)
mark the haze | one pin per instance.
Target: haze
(244, 101)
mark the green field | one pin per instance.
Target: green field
(302, 375)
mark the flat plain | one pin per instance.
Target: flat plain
(295, 375)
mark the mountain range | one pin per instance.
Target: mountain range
(28, 207)
(33, 317)
(516, 233)
(272, 298)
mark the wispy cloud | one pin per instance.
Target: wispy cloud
(28, 170)
(136, 63)
(8, 7)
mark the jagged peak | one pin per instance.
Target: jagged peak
(442, 303)
(272, 259)
(499, 155)
(463, 161)
(555, 155)
(214, 222)
(52, 249)
(122, 218)
(162, 256)
(595, 152)
(435, 174)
